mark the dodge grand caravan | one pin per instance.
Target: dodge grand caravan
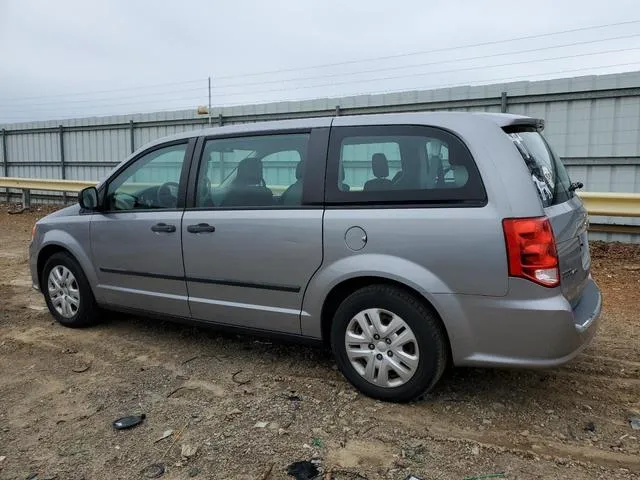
(406, 242)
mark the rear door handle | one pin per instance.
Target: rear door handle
(201, 228)
(163, 227)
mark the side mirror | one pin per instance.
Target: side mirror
(88, 198)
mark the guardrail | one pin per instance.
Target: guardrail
(28, 184)
(611, 204)
(597, 203)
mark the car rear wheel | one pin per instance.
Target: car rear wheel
(388, 344)
(67, 292)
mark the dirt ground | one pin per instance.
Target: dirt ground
(61, 389)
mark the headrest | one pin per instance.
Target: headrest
(249, 172)
(380, 165)
(460, 175)
(300, 170)
(456, 155)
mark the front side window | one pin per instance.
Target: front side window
(401, 164)
(256, 171)
(150, 182)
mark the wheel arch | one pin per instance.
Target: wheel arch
(45, 254)
(69, 246)
(345, 288)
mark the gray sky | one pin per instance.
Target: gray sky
(72, 58)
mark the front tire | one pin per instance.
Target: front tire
(388, 344)
(67, 292)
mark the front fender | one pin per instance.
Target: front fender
(77, 245)
(386, 267)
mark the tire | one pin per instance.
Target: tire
(412, 368)
(84, 312)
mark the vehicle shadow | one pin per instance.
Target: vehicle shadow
(456, 385)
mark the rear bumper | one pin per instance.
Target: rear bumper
(517, 330)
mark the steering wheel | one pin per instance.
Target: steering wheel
(167, 195)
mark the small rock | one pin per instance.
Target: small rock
(475, 450)
(80, 367)
(635, 423)
(194, 471)
(524, 433)
(498, 406)
(155, 470)
(261, 424)
(486, 421)
(282, 431)
(165, 434)
(2, 458)
(562, 437)
(234, 411)
(590, 427)
(188, 451)
(401, 463)
(549, 412)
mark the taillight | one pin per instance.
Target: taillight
(531, 250)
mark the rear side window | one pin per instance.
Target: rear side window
(401, 164)
(547, 171)
(253, 171)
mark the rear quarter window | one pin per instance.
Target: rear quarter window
(400, 164)
(548, 173)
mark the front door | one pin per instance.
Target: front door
(135, 241)
(251, 242)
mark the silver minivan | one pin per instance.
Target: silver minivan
(405, 242)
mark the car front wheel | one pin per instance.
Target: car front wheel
(67, 292)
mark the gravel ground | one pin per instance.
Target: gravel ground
(249, 407)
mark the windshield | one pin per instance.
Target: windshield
(547, 171)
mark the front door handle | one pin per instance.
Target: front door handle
(201, 228)
(163, 227)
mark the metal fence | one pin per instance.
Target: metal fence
(593, 122)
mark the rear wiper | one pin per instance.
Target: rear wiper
(575, 186)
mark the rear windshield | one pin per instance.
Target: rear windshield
(547, 171)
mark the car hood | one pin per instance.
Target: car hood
(69, 211)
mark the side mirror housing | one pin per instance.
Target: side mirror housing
(88, 198)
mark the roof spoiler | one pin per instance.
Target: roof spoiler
(516, 122)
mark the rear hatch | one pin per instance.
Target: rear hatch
(561, 205)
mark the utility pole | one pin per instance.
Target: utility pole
(209, 108)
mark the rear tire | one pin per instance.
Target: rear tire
(68, 293)
(395, 331)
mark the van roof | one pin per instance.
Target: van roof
(416, 118)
